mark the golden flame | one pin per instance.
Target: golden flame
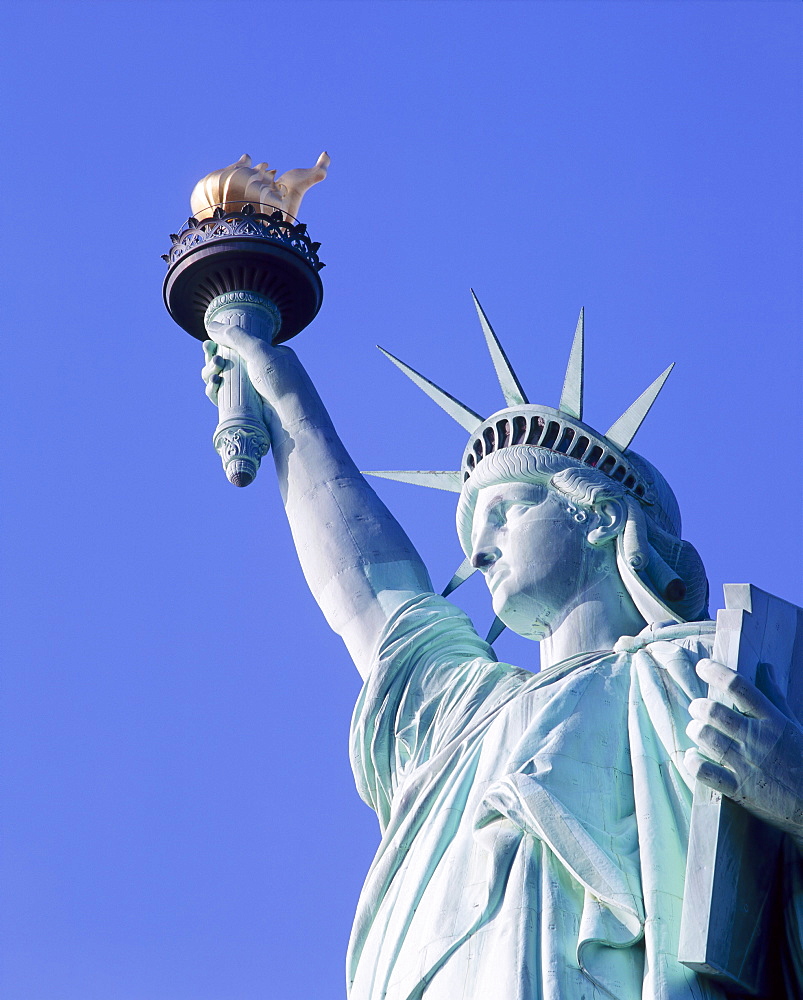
(241, 184)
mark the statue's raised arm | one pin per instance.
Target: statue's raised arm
(359, 563)
(243, 277)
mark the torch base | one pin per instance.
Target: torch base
(243, 263)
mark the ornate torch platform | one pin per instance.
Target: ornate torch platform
(243, 259)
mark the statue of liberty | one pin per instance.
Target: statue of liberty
(534, 826)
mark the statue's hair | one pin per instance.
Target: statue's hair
(668, 566)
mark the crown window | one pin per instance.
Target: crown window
(519, 429)
(565, 440)
(503, 433)
(580, 448)
(553, 427)
(536, 428)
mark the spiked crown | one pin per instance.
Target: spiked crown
(559, 430)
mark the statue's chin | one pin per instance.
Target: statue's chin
(526, 622)
(535, 630)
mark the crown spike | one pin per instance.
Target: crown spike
(457, 411)
(449, 481)
(496, 629)
(623, 430)
(462, 573)
(511, 387)
(571, 399)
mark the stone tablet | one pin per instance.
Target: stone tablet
(733, 857)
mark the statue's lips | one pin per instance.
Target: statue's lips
(494, 576)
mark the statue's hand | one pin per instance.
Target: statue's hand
(752, 753)
(252, 349)
(211, 370)
(265, 362)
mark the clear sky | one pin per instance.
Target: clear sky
(179, 816)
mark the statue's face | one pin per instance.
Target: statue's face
(534, 555)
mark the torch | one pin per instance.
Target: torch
(243, 259)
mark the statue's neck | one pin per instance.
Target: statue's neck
(602, 614)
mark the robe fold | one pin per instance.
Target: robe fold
(534, 826)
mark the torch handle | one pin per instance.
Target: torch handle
(241, 438)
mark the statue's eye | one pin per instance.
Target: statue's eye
(516, 509)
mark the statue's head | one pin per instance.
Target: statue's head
(543, 528)
(547, 504)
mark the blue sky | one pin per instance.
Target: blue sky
(180, 819)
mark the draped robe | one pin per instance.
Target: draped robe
(534, 826)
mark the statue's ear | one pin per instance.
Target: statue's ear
(608, 521)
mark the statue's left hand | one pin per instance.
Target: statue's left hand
(752, 753)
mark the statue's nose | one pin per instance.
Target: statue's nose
(483, 558)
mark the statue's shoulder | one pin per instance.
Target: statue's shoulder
(692, 636)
